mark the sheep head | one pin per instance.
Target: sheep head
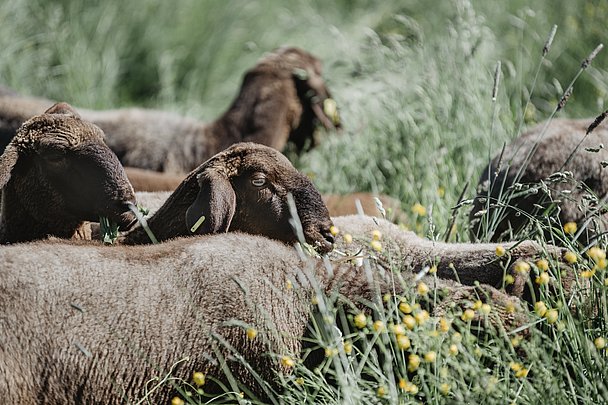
(59, 172)
(294, 77)
(244, 188)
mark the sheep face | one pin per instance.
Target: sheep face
(64, 163)
(246, 188)
(304, 94)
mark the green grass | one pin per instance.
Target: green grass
(414, 84)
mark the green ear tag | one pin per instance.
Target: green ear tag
(197, 224)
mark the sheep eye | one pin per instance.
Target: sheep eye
(258, 181)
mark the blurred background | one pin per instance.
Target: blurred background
(413, 79)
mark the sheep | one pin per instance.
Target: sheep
(86, 324)
(558, 151)
(244, 188)
(280, 100)
(57, 173)
(363, 203)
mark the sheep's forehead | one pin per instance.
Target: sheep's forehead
(51, 128)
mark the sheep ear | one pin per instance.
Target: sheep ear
(62, 108)
(8, 160)
(216, 201)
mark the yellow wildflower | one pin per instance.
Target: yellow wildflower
(405, 307)
(570, 257)
(287, 361)
(588, 273)
(348, 347)
(444, 325)
(516, 366)
(444, 388)
(300, 381)
(408, 387)
(521, 267)
(409, 322)
(413, 362)
(419, 209)
(402, 383)
(348, 238)
(523, 373)
(422, 289)
(381, 391)
(334, 230)
(540, 308)
(596, 254)
(376, 245)
(403, 342)
(433, 269)
(509, 279)
(485, 309)
(552, 315)
(476, 305)
(398, 329)
(177, 401)
(288, 285)
(251, 333)
(570, 228)
(378, 326)
(330, 351)
(441, 191)
(542, 264)
(500, 251)
(453, 350)
(421, 317)
(599, 343)
(456, 337)
(510, 307)
(198, 378)
(516, 340)
(376, 234)
(468, 315)
(543, 278)
(430, 357)
(360, 320)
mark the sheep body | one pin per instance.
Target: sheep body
(553, 155)
(280, 100)
(129, 313)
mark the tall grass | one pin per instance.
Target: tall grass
(415, 85)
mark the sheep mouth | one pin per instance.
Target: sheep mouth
(322, 241)
(326, 112)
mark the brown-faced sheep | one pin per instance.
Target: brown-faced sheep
(86, 324)
(280, 101)
(57, 173)
(244, 188)
(523, 185)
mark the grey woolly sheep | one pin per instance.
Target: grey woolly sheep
(559, 172)
(87, 324)
(280, 100)
(244, 188)
(57, 173)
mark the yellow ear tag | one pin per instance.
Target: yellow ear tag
(330, 108)
(197, 224)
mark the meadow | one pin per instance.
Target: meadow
(427, 95)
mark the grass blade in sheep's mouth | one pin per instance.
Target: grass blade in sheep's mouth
(108, 231)
(143, 222)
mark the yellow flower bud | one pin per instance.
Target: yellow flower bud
(378, 326)
(348, 238)
(540, 308)
(596, 254)
(251, 333)
(500, 251)
(444, 325)
(521, 267)
(570, 228)
(287, 361)
(405, 307)
(360, 320)
(543, 278)
(468, 315)
(419, 209)
(552, 315)
(376, 245)
(334, 230)
(542, 264)
(348, 347)
(177, 401)
(198, 378)
(409, 322)
(570, 257)
(403, 342)
(485, 309)
(599, 343)
(453, 350)
(430, 357)
(381, 391)
(413, 362)
(421, 317)
(422, 289)
(376, 234)
(444, 388)
(509, 279)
